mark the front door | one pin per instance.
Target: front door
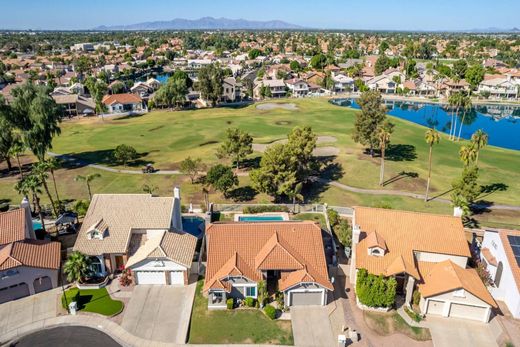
(119, 262)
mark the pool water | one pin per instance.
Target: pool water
(260, 218)
(194, 226)
(36, 224)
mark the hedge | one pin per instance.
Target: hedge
(375, 291)
(265, 208)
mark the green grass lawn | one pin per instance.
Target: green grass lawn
(93, 300)
(235, 326)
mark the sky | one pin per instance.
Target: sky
(321, 14)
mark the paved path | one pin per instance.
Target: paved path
(448, 332)
(311, 326)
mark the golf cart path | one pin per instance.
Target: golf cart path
(80, 162)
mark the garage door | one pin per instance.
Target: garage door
(435, 307)
(306, 298)
(151, 277)
(468, 312)
(42, 284)
(14, 292)
(177, 277)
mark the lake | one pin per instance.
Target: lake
(500, 122)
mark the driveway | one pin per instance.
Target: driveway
(311, 326)
(160, 313)
(25, 311)
(448, 332)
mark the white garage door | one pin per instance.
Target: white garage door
(177, 277)
(151, 277)
(306, 298)
(468, 312)
(435, 307)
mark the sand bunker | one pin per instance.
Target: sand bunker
(318, 152)
(271, 106)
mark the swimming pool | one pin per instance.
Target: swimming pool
(260, 218)
(36, 224)
(193, 225)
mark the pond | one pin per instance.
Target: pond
(500, 122)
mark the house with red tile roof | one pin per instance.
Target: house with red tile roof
(288, 256)
(424, 252)
(27, 266)
(123, 103)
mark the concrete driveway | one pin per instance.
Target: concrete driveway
(160, 313)
(25, 311)
(448, 332)
(311, 326)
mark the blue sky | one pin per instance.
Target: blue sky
(343, 14)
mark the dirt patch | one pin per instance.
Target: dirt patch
(325, 151)
(326, 139)
(390, 323)
(273, 106)
(283, 122)
(212, 142)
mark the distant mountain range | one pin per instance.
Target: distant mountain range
(495, 30)
(204, 23)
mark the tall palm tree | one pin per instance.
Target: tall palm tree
(31, 184)
(432, 137)
(40, 170)
(16, 150)
(466, 106)
(480, 140)
(87, 179)
(383, 135)
(295, 194)
(54, 164)
(455, 102)
(77, 267)
(467, 154)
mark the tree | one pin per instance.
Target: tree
(149, 188)
(17, 149)
(372, 115)
(432, 137)
(466, 186)
(411, 69)
(466, 106)
(479, 140)
(118, 88)
(211, 78)
(459, 68)
(54, 164)
(40, 170)
(7, 140)
(468, 155)
(319, 61)
(382, 64)
(254, 53)
(383, 133)
(191, 167)
(295, 195)
(31, 184)
(77, 267)
(88, 180)
(125, 153)
(375, 291)
(238, 144)
(301, 143)
(221, 178)
(475, 75)
(327, 82)
(97, 89)
(295, 66)
(173, 92)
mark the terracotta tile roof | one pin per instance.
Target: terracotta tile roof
(31, 253)
(447, 276)
(399, 265)
(375, 240)
(12, 226)
(125, 98)
(515, 268)
(403, 233)
(242, 248)
(121, 213)
(489, 257)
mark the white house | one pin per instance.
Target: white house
(342, 83)
(500, 252)
(501, 87)
(298, 87)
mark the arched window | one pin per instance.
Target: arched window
(498, 275)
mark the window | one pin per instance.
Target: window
(498, 275)
(251, 291)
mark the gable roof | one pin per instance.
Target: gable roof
(31, 253)
(245, 249)
(12, 226)
(125, 98)
(447, 276)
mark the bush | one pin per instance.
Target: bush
(416, 297)
(250, 302)
(230, 303)
(412, 314)
(270, 311)
(280, 300)
(126, 278)
(81, 207)
(343, 232)
(333, 217)
(265, 208)
(375, 291)
(125, 153)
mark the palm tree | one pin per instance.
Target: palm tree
(432, 137)
(295, 195)
(466, 105)
(40, 170)
(31, 184)
(383, 135)
(77, 267)
(480, 140)
(87, 179)
(455, 101)
(467, 154)
(16, 150)
(54, 164)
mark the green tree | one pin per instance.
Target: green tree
(191, 167)
(466, 106)
(238, 144)
(383, 134)
(125, 153)
(254, 53)
(211, 78)
(460, 67)
(382, 64)
(173, 92)
(372, 115)
(319, 61)
(468, 155)
(295, 194)
(432, 137)
(97, 89)
(40, 170)
(475, 75)
(77, 267)
(7, 140)
(301, 143)
(479, 140)
(221, 178)
(466, 186)
(295, 66)
(31, 184)
(88, 180)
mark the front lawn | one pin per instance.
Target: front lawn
(93, 300)
(392, 322)
(235, 326)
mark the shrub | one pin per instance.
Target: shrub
(265, 208)
(280, 300)
(250, 302)
(126, 278)
(375, 291)
(230, 303)
(414, 315)
(333, 217)
(125, 153)
(270, 311)
(416, 297)
(343, 232)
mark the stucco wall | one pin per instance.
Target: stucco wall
(28, 275)
(437, 258)
(151, 265)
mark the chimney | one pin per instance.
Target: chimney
(176, 222)
(457, 211)
(29, 230)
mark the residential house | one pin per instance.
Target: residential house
(500, 253)
(424, 252)
(500, 87)
(276, 88)
(121, 103)
(142, 89)
(288, 256)
(27, 266)
(231, 90)
(387, 83)
(298, 87)
(343, 83)
(139, 232)
(450, 86)
(75, 105)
